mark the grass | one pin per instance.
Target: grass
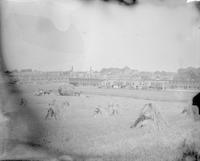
(110, 138)
(190, 147)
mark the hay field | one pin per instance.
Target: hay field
(109, 137)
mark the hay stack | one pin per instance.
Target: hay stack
(150, 116)
(66, 90)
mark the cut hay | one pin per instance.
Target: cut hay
(150, 116)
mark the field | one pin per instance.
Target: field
(79, 132)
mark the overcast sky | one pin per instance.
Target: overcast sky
(56, 34)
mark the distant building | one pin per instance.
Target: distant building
(94, 78)
(35, 76)
(135, 84)
(187, 85)
(85, 81)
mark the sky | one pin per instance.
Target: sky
(56, 34)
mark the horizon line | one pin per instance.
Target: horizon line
(39, 70)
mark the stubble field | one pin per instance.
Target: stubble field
(78, 131)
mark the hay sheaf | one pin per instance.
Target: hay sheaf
(150, 116)
(191, 111)
(111, 110)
